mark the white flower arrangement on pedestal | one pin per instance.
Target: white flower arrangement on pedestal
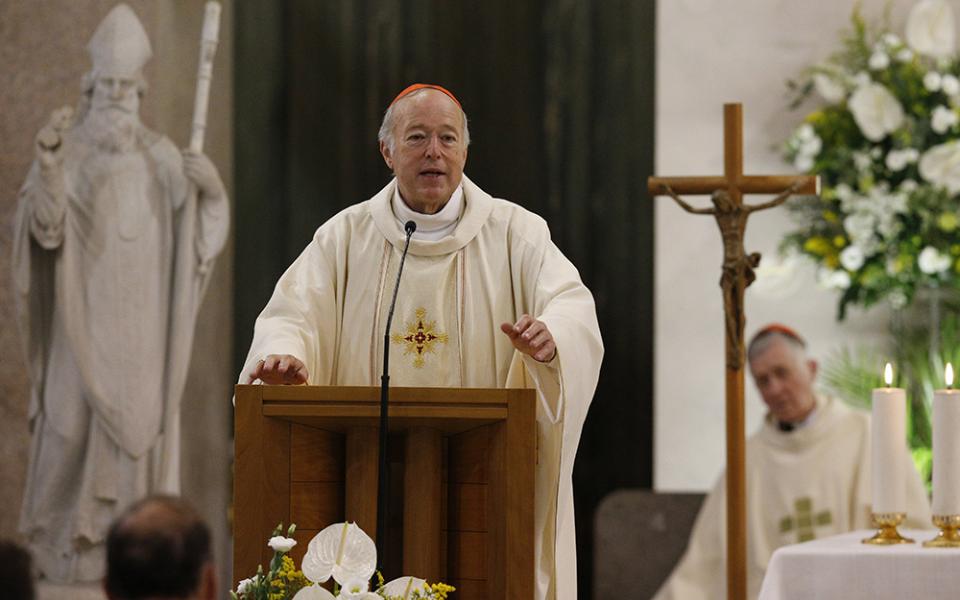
(886, 144)
(342, 552)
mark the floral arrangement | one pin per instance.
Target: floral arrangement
(886, 146)
(341, 551)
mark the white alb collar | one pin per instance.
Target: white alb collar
(433, 227)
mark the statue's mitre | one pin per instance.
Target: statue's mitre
(119, 47)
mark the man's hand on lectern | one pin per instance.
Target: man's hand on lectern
(279, 369)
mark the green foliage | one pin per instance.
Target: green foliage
(852, 374)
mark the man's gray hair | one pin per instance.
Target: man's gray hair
(385, 136)
(767, 336)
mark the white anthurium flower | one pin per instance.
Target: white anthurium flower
(852, 258)
(278, 543)
(876, 111)
(313, 592)
(930, 28)
(950, 85)
(343, 551)
(404, 587)
(834, 280)
(829, 88)
(942, 119)
(879, 60)
(932, 262)
(940, 165)
(932, 81)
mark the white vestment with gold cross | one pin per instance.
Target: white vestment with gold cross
(809, 483)
(330, 308)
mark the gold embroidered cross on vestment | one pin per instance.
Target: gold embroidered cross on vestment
(419, 338)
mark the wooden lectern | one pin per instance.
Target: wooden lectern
(462, 479)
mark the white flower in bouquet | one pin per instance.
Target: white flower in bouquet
(357, 589)
(404, 587)
(278, 543)
(879, 60)
(833, 280)
(932, 81)
(897, 299)
(341, 550)
(314, 592)
(930, 28)
(905, 54)
(950, 85)
(908, 185)
(932, 262)
(852, 258)
(942, 119)
(244, 585)
(940, 165)
(829, 87)
(862, 78)
(898, 159)
(861, 227)
(892, 40)
(876, 111)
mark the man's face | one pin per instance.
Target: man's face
(785, 380)
(429, 151)
(116, 93)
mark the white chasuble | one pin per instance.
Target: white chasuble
(330, 310)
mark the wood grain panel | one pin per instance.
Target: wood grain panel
(467, 456)
(314, 505)
(470, 589)
(422, 507)
(467, 555)
(467, 507)
(315, 454)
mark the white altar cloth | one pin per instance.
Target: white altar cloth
(842, 567)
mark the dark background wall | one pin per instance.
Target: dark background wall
(560, 99)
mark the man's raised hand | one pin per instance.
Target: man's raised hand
(279, 369)
(531, 337)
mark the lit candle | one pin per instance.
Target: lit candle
(946, 448)
(888, 439)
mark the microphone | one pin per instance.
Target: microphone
(383, 476)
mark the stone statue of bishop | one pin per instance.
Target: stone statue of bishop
(115, 234)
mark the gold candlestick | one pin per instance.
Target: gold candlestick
(948, 537)
(887, 534)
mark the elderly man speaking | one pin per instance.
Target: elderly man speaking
(497, 303)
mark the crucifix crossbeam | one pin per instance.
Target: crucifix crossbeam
(731, 213)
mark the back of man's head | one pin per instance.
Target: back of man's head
(16, 575)
(158, 548)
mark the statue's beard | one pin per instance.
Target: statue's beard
(112, 130)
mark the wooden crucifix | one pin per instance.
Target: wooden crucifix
(731, 213)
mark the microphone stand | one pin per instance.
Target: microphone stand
(383, 475)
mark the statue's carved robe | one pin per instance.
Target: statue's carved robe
(108, 285)
(329, 310)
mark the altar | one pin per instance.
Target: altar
(843, 567)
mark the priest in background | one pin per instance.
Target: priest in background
(486, 300)
(808, 474)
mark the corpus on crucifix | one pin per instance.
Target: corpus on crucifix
(731, 213)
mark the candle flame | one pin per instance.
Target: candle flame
(888, 375)
(948, 375)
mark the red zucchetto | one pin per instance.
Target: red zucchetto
(420, 86)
